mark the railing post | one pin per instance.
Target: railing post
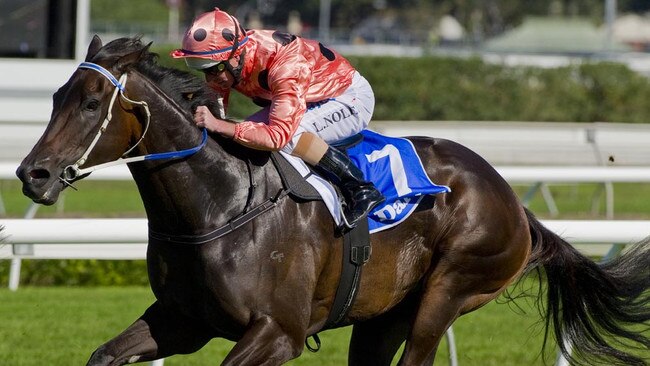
(546, 194)
(550, 202)
(609, 200)
(20, 249)
(451, 346)
(528, 196)
(14, 274)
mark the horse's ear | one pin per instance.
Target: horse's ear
(95, 46)
(133, 57)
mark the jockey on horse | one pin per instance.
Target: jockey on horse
(311, 97)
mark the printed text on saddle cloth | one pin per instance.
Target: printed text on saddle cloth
(394, 167)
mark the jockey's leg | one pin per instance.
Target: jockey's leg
(333, 120)
(156, 334)
(360, 195)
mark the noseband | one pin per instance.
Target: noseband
(71, 172)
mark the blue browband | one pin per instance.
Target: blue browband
(103, 71)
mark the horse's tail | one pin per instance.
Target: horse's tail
(593, 306)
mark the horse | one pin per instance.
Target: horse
(268, 284)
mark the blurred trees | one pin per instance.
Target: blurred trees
(128, 11)
(634, 6)
(481, 18)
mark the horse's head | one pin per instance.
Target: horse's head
(81, 107)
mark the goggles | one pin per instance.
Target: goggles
(216, 69)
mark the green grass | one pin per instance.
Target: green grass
(63, 325)
(575, 201)
(93, 199)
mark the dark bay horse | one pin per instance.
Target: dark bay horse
(270, 283)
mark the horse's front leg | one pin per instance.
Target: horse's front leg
(156, 334)
(266, 342)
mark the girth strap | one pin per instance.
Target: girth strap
(356, 252)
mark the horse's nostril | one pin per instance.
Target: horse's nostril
(39, 174)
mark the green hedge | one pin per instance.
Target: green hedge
(78, 272)
(438, 88)
(470, 89)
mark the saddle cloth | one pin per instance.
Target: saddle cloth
(394, 167)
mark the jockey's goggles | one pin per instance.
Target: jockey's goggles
(216, 69)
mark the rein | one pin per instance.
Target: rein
(71, 172)
(223, 230)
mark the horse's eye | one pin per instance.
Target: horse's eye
(92, 105)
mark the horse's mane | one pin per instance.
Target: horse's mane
(186, 89)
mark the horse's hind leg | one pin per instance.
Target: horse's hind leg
(375, 341)
(438, 310)
(456, 287)
(156, 334)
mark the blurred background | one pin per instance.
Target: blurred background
(589, 28)
(576, 27)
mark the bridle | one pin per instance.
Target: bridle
(73, 171)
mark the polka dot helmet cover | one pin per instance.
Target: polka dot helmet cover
(211, 39)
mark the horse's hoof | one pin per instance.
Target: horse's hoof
(99, 358)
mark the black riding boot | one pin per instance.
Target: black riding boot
(360, 196)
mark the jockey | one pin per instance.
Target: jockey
(311, 97)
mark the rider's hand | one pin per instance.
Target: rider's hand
(204, 118)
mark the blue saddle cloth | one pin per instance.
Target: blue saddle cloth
(394, 167)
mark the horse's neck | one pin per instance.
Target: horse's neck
(188, 195)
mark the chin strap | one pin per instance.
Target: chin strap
(236, 71)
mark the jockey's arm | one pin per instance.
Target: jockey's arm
(289, 83)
